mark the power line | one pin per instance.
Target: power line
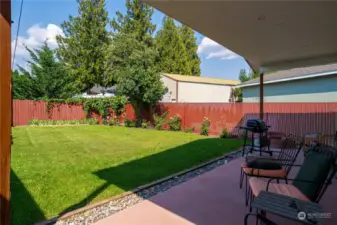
(17, 34)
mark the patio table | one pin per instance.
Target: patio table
(290, 208)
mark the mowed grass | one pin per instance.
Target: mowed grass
(57, 169)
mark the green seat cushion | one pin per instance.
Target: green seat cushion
(263, 163)
(316, 168)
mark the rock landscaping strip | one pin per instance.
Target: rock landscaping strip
(105, 209)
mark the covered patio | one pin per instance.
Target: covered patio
(270, 35)
(211, 198)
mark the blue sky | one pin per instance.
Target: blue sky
(41, 20)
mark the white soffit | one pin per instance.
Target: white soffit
(273, 35)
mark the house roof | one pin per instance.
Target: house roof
(205, 80)
(97, 89)
(294, 74)
(271, 35)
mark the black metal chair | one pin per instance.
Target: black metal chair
(311, 182)
(286, 158)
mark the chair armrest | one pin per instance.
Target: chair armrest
(269, 182)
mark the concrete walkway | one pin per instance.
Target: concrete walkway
(213, 198)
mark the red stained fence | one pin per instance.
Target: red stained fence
(298, 118)
(26, 110)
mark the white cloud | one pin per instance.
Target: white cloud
(212, 49)
(36, 36)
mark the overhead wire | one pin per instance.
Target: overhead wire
(17, 34)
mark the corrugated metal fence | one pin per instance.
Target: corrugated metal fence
(296, 118)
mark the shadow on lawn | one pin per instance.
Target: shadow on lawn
(141, 171)
(24, 209)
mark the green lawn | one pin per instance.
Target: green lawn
(55, 169)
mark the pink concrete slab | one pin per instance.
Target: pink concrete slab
(155, 215)
(213, 198)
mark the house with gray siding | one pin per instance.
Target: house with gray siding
(309, 84)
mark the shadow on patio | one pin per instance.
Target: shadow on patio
(211, 198)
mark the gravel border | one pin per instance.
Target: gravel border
(129, 199)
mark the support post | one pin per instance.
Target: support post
(5, 110)
(261, 96)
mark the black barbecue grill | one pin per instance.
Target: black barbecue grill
(256, 126)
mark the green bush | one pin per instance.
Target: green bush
(36, 122)
(175, 123)
(189, 130)
(224, 133)
(92, 121)
(105, 122)
(33, 122)
(145, 124)
(160, 120)
(129, 123)
(206, 123)
(114, 121)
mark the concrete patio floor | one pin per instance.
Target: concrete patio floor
(213, 198)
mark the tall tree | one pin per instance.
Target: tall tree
(189, 41)
(244, 77)
(45, 78)
(84, 46)
(131, 59)
(172, 52)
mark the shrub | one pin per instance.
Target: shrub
(129, 123)
(224, 133)
(114, 121)
(33, 122)
(92, 121)
(206, 123)
(160, 120)
(36, 122)
(189, 130)
(105, 122)
(72, 122)
(145, 124)
(175, 123)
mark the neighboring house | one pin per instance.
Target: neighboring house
(309, 84)
(181, 88)
(99, 92)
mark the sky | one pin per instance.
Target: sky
(41, 20)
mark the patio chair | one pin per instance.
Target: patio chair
(267, 167)
(311, 182)
(312, 140)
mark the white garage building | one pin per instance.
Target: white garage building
(181, 88)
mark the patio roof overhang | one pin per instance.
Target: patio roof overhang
(270, 35)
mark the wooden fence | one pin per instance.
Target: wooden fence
(296, 118)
